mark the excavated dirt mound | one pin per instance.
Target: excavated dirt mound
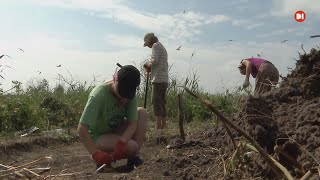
(288, 118)
(285, 122)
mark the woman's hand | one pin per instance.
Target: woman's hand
(246, 84)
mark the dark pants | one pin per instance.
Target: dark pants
(267, 76)
(159, 91)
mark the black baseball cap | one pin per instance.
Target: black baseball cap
(128, 81)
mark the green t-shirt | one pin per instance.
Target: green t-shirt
(103, 114)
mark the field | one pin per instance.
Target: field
(284, 122)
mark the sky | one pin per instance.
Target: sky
(88, 37)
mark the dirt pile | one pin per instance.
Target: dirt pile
(288, 118)
(285, 121)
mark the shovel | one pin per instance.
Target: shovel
(146, 92)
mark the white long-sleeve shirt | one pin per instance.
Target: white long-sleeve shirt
(159, 64)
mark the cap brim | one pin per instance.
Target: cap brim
(145, 44)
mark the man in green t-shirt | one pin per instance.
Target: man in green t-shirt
(112, 127)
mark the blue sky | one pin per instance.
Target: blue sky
(88, 37)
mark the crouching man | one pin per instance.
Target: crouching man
(112, 127)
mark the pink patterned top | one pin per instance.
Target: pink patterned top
(256, 63)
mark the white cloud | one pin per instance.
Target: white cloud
(238, 2)
(278, 32)
(124, 41)
(240, 22)
(176, 26)
(247, 24)
(289, 7)
(254, 25)
(273, 33)
(94, 5)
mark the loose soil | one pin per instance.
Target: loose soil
(199, 158)
(285, 120)
(288, 118)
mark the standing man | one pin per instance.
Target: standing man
(112, 127)
(158, 66)
(264, 71)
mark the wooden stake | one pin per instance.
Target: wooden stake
(180, 113)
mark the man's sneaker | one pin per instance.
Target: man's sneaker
(134, 161)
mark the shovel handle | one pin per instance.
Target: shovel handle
(146, 91)
(119, 65)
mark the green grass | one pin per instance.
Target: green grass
(61, 106)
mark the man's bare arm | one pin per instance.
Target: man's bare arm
(83, 131)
